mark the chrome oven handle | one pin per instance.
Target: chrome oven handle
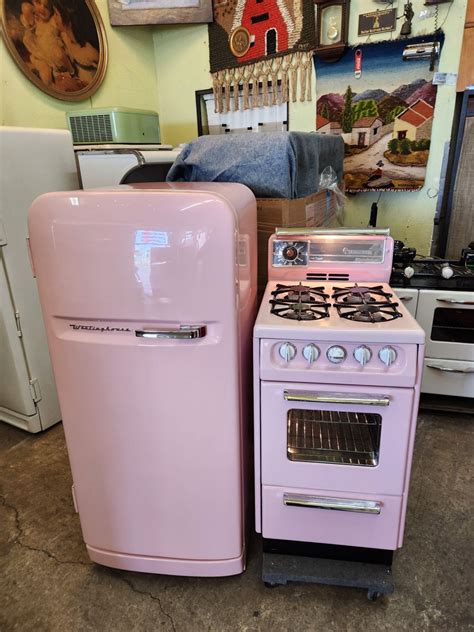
(185, 332)
(337, 398)
(449, 369)
(454, 301)
(337, 504)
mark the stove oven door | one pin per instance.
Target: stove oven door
(325, 438)
(448, 320)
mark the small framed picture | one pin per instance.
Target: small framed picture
(130, 12)
(59, 45)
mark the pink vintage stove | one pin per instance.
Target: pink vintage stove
(337, 369)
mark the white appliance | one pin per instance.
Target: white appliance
(33, 161)
(106, 165)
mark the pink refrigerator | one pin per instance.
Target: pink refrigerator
(149, 294)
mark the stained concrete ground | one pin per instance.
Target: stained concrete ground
(47, 582)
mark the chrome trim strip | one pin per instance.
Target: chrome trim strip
(337, 398)
(448, 369)
(185, 332)
(454, 301)
(337, 504)
(332, 231)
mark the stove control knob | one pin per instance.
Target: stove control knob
(311, 353)
(408, 272)
(447, 272)
(362, 354)
(387, 355)
(336, 354)
(287, 351)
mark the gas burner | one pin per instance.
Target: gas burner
(300, 293)
(373, 313)
(365, 304)
(299, 302)
(360, 295)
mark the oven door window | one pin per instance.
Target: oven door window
(453, 325)
(328, 436)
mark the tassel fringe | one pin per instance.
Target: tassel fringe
(292, 70)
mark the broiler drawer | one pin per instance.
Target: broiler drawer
(347, 519)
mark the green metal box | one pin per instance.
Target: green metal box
(114, 125)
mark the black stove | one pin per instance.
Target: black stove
(413, 271)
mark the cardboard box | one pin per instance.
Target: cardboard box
(316, 210)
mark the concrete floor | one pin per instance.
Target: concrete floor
(48, 584)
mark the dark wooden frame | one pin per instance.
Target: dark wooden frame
(78, 95)
(129, 17)
(332, 52)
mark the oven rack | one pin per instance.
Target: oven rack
(333, 437)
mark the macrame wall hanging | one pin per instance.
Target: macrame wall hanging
(255, 43)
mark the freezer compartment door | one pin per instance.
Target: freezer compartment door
(15, 394)
(153, 432)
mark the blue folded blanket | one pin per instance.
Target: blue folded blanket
(271, 164)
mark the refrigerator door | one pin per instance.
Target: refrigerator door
(139, 296)
(15, 392)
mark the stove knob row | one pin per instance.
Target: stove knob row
(362, 354)
(311, 353)
(287, 351)
(387, 355)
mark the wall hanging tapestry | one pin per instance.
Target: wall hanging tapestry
(384, 116)
(252, 43)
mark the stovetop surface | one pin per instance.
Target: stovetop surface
(331, 326)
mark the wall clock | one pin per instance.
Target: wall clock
(332, 24)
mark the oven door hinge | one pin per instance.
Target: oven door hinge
(19, 333)
(35, 390)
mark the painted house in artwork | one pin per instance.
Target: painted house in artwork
(415, 122)
(365, 131)
(324, 126)
(271, 27)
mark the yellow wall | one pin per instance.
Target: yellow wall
(182, 63)
(130, 81)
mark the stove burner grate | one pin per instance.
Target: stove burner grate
(299, 302)
(365, 304)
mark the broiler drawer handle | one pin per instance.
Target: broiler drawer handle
(185, 332)
(454, 301)
(337, 504)
(448, 369)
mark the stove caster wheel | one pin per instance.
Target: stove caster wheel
(373, 595)
(270, 585)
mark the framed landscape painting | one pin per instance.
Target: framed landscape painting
(59, 45)
(130, 12)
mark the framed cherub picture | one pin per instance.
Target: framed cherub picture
(59, 45)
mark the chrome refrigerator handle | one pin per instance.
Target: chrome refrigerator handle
(337, 504)
(337, 398)
(185, 332)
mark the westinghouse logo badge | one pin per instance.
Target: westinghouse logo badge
(94, 328)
